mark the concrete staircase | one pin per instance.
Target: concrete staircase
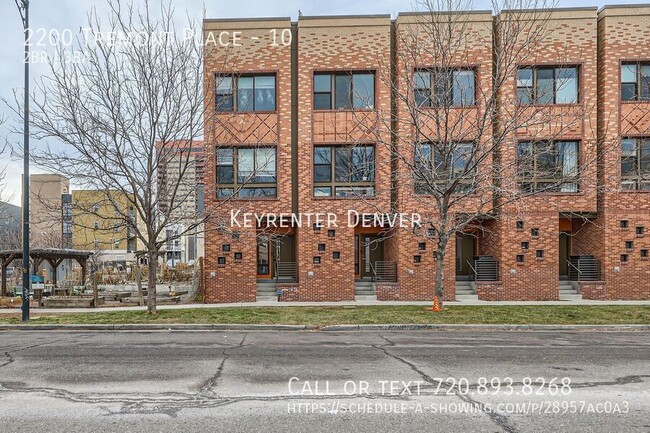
(266, 291)
(364, 291)
(466, 291)
(568, 292)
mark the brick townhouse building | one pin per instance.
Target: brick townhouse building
(316, 117)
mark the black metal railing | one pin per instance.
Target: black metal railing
(583, 268)
(385, 271)
(485, 268)
(286, 271)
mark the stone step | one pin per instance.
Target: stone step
(365, 297)
(265, 299)
(462, 298)
(576, 297)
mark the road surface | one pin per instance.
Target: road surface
(523, 381)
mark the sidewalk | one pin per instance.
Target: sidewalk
(36, 311)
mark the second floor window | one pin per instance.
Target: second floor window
(344, 171)
(451, 87)
(635, 81)
(245, 92)
(635, 164)
(550, 166)
(547, 85)
(441, 166)
(246, 172)
(344, 91)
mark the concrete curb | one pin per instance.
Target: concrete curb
(330, 328)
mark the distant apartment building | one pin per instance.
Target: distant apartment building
(307, 117)
(10, 226)
(103, 222)
(180, 177)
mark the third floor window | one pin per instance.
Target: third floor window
(245, 92)
(445, 87)
(635, 163)
(344, 91)
(344, 171)
(635, 81)
(547, 85)
(246, 172)
(443, 166)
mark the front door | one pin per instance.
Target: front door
(264, 257)
(465, 252)
(565, 253)
(371, 250)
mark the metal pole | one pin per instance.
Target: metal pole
(24, 9)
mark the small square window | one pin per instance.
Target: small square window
(520, 225)
(624, 258)
(316, 227)
(221, 261)
(321, 247)
(624, 224)
(422, 246)
(524, 245)
(640, 231)
(431, 232)
(317, 260)
(331, 233)
(336, 255)
(539, 254)
(520, 258)
(534, 232)
(235, 236)
(629, 245)
(644, 254)
(225, 248)
(239, 257)
(417, 259)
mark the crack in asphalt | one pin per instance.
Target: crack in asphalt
(500, 420)
(10, 359)
(207, 386)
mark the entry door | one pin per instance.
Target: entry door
(465, 251)
(565, 253)
(264, 257)
(371, 250)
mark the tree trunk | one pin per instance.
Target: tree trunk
(138, 279)
(151, 284)
(95, 290)
(439, 291)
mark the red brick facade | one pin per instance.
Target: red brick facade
(596, 42)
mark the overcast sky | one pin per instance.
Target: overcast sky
(71, 14)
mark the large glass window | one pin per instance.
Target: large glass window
(246, 93)
(347, 90)
(550, 166)
(445, 87)
(441, 166)
(547, 85)
(635, 164)
(635, 81)
(344, 171)
(255, 170)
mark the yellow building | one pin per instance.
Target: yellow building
(102, 222)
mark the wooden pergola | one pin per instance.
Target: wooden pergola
(39, 255)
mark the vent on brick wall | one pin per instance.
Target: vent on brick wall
(584, 268)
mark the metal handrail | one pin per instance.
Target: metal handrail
(472, 268)
(574, 266)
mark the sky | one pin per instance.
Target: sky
(71, 14)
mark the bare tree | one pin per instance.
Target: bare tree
(455, 127)
(122, 107)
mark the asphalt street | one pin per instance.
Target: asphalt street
(452, 381)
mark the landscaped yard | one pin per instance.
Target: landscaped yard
(321, 316)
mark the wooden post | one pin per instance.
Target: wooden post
(4, 277)
(95, 289)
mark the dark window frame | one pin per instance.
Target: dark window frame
(529, 177)
(641, 91)
(351, 93)
(639, 180)
(237, 186)
(439, 78)
(359, 188)
(234, 90)
(534, 97)
(466, 180)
